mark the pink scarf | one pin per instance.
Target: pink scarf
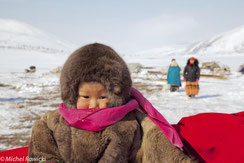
(99, 119)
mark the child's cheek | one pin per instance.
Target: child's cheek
(103, 104)
(82, 104)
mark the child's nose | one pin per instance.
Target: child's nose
(93, 104)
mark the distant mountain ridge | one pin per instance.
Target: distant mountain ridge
(17, 35)
(20, 36)
(228, 42)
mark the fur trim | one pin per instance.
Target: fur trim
(99, 63)
(195, 63)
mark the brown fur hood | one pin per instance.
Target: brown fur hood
(99, 63)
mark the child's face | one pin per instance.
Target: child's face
(92, 95)
(192, 61)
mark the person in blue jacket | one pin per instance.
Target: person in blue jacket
(173, 78)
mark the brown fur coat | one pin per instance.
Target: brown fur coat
(53, 138)
(134, 139)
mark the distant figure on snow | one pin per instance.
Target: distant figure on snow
(173, 78)
(32, 69)
(191, 76)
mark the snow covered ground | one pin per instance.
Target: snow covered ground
(215, 95)
(26, 97)
(23, 99)
(18, 60)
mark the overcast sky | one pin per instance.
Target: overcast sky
(128, 25)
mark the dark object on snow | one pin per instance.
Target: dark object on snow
(242, 70)
(174, 88)
(32, 69)
(192, 96)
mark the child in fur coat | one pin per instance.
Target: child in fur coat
(102, 118)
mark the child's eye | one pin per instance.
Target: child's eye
(85, 96)
(102, 97)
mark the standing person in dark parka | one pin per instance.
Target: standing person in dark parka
(191, 76)
(173, 77)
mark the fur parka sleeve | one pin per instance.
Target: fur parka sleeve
(185, 72)
(198, 73)
(156, 148)
(42, 143)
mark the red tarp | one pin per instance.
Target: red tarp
(19, 155)
(214, 137)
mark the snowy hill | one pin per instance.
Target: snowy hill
(22, 45)
(21, 36)
(228, 43)
(225, 43)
